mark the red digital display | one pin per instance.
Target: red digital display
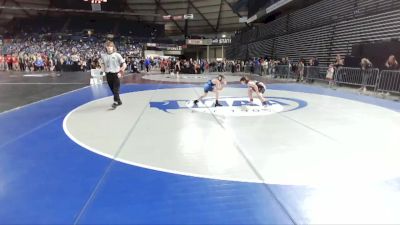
(96, 1)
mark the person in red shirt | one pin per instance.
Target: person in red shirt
(9, 62)
(46, 62)
(15, 63)
(163, 65)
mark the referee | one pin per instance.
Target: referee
(114, 66)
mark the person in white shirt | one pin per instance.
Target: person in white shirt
(114, 66)
(265, 67)
(329, 75)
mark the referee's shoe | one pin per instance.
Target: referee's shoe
(116, 104)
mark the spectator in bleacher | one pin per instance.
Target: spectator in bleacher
(67, 54)
(366, 73)
(391, 63)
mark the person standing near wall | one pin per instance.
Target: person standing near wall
(391, 63)
(390, 81)
(300, 69)
(366, 68)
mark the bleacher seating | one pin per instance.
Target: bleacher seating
(322, 30)
(366, 6)
(261, 48)
(276, 27)
(321, 13)
(100, 25)
(78, 24)
(383, 26)
(304, 44)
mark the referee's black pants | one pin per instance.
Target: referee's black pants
(114, 84)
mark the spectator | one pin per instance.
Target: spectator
(2, 63)
(163, 65)
(391, 63)
(390, 80)
(66, 54)
(300, 69)
(366, 73)
(338, 62)
(39, 64)
(329, 75)
(9, 62)
(177, 68)
(147, 64)
(313, 70)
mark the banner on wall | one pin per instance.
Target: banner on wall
(172, 52)
(198, 41)
(215, 41)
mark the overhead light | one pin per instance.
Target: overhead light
(188, 16)
(224, 35)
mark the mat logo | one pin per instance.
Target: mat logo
(233, 106)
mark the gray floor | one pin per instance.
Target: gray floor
(18, 89)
